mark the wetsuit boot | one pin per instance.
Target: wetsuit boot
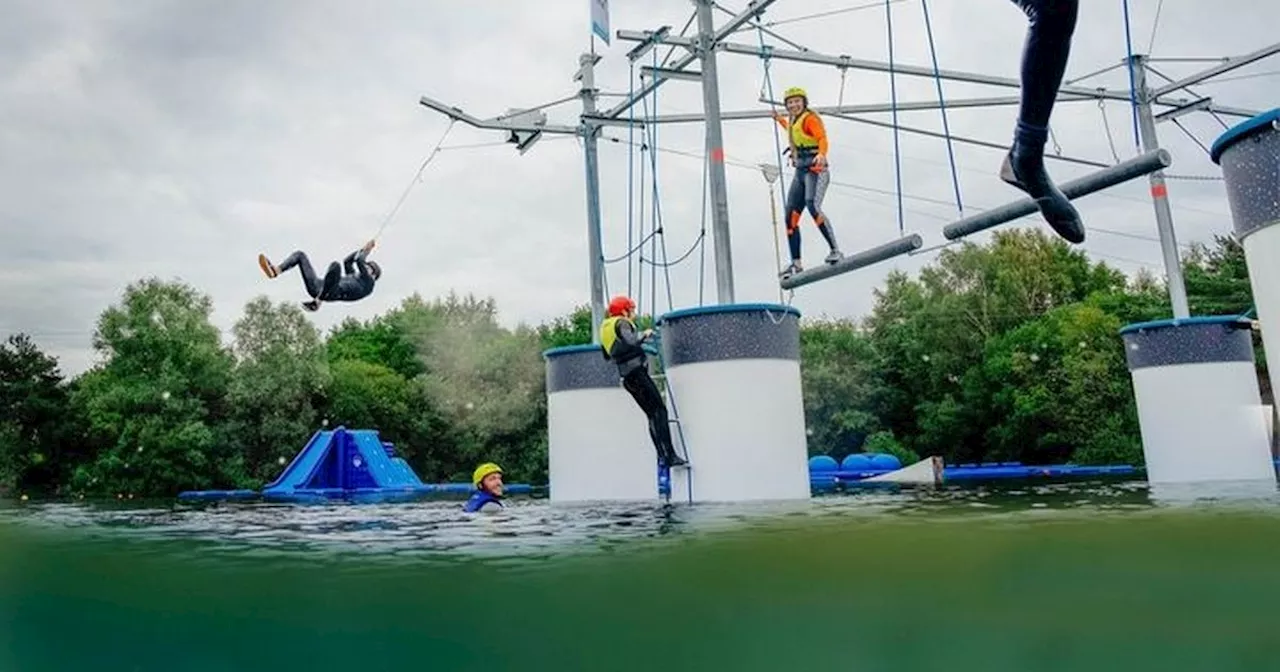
(1024, 168)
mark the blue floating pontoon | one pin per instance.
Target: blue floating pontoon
(349, 464)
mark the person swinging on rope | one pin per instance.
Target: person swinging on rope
(621, 345)
(1044, 62)
(352, 281)
(809, 157)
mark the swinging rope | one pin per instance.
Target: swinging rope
(417, 176)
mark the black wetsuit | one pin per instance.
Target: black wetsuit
(1044, 62)
(633, 367)
(352, 285)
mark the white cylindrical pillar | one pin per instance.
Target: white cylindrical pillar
(733, 375)
(1249, 154)
(1199, 409)
(598, 445)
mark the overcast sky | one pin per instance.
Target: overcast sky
(179, 138)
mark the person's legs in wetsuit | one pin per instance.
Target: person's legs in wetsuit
(645, 392)
(1044, 62)
(310, 281)
(815, 187)
(332, 276)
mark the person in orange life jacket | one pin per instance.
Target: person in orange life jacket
(620, 344)
(487, 479)
(352, 281)
(808, 151)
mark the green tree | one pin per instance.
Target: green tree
(838, 373)
(572, 329)
(278, 383)
(37, 443)
(1056, 387)
(153, 405)
(489, 383)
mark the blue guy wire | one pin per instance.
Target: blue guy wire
(893, 99)
(1133, 85)
(942, 104)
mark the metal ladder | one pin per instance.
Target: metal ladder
(668, 393)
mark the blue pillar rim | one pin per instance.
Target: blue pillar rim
(1233, 320)
(729, 308)
(570, 350)
(1241, 131)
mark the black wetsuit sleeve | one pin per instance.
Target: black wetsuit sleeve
(355, 260)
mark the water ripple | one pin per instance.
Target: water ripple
(533, 530)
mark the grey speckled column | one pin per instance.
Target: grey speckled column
(1195, 340)
(579, 367)
(1249, 154)
(730, 331)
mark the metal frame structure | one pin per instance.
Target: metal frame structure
(702, 49)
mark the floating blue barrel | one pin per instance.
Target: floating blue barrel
(856, 462)
(885, 461)
(822, 464)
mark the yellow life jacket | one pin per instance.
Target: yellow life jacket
(799, 138)
(609, 334)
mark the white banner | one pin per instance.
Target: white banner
(600, 19)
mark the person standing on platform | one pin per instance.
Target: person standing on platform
(809, 145)
(621, 345)
(1044, 62)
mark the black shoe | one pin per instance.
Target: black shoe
(1029, 176)
(675, 460)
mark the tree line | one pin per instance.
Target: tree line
(997, 352)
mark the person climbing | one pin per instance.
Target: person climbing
(351, 281)
(1044, 62)
(809, 157)
(487, 479)
(621, 345)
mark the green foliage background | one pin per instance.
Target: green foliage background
(997, 352)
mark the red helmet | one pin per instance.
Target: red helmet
(620, 304)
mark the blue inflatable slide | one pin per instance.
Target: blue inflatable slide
(350, 464)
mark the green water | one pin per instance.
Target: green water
(1085, 576)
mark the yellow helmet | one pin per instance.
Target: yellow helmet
(484, 470)
(793, 92)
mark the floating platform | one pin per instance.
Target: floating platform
(344, 464)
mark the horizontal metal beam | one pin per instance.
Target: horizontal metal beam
(1183, 110)
(754, 8)
(1211, 106)
(1081, 186)
(648, 42)
(871, 108)
(914, 70)
(1228, 66)
(668, 73)
(853, 262)
(963, 139)
(495, 125)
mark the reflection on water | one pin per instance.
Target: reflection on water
(534, 527)
(1008, 576)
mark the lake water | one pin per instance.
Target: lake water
(1068, 576)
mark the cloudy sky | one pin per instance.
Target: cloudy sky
(179, 138)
